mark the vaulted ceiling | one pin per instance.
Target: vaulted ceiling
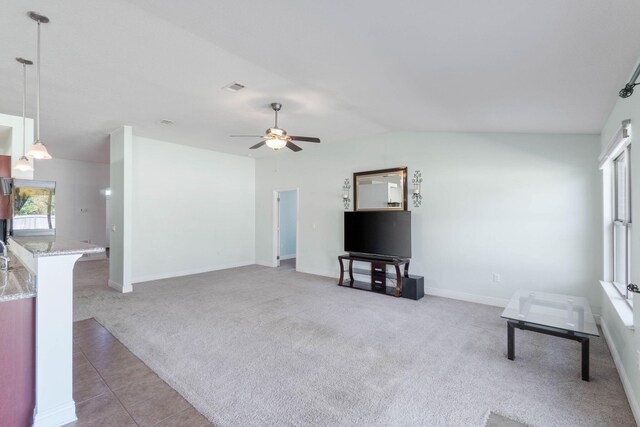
(341, 69)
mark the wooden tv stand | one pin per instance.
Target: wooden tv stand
(378, 272)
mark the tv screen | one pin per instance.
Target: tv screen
(378, 233)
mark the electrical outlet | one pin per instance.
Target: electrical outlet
(496, 277)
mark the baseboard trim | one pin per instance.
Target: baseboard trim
(265, 263)
(463, 296)
(318, 273)
(439, 292)
(58, 416)
(188, 272)
(287, 256)
(598, 319)
(626, 384)
(119, 287)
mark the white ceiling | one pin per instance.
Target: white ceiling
(342, 69)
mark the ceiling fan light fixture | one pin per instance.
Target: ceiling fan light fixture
(276, 143)
(23, 165)
(276, 133)
(39, 151)
(277, 138)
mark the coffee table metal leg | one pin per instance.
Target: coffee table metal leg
(512, 325)
(510, 341)
(585, 359)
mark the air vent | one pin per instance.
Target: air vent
(234, 87)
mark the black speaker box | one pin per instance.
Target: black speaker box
(413, 287)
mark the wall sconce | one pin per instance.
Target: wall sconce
(346, 191)
(417, 188)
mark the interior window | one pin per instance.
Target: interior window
(622, 223)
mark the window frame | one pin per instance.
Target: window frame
(623, 220)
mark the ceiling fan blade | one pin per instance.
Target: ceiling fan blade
(258, 145)
(246, 136)
(293, 146)
(305, 138)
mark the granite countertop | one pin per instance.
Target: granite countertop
(17, 283)
(42, 246)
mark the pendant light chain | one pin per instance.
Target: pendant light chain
(38, 87)
(24, 108)
(23, 163)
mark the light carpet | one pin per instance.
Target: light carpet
(264, 346)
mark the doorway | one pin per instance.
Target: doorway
(286, 228)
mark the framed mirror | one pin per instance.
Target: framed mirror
(380, 190)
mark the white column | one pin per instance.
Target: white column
(54, 340)
(121, 171)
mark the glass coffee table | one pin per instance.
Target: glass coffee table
(561, 316)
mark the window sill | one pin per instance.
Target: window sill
(625, 312)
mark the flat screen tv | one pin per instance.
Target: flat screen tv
(385, 234)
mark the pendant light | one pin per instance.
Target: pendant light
(23, 164)
(38, 150)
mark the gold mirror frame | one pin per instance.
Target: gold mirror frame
(403, 185)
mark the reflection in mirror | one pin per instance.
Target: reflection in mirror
(381, 190)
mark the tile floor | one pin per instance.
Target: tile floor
(112, 387)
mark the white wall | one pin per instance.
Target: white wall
(524, 206)
(12, 144)
(626, 342)
(6, 138)
(80, 199)
(193, 210)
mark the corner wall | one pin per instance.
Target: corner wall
(524, 206)
(193, 210)
(625, 341)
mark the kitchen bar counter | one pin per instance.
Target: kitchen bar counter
(51, 262)
(50, 246)
(17, 283)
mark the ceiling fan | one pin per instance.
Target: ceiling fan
(277, 138)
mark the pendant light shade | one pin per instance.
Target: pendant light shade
(38, 150)
(23, 164)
